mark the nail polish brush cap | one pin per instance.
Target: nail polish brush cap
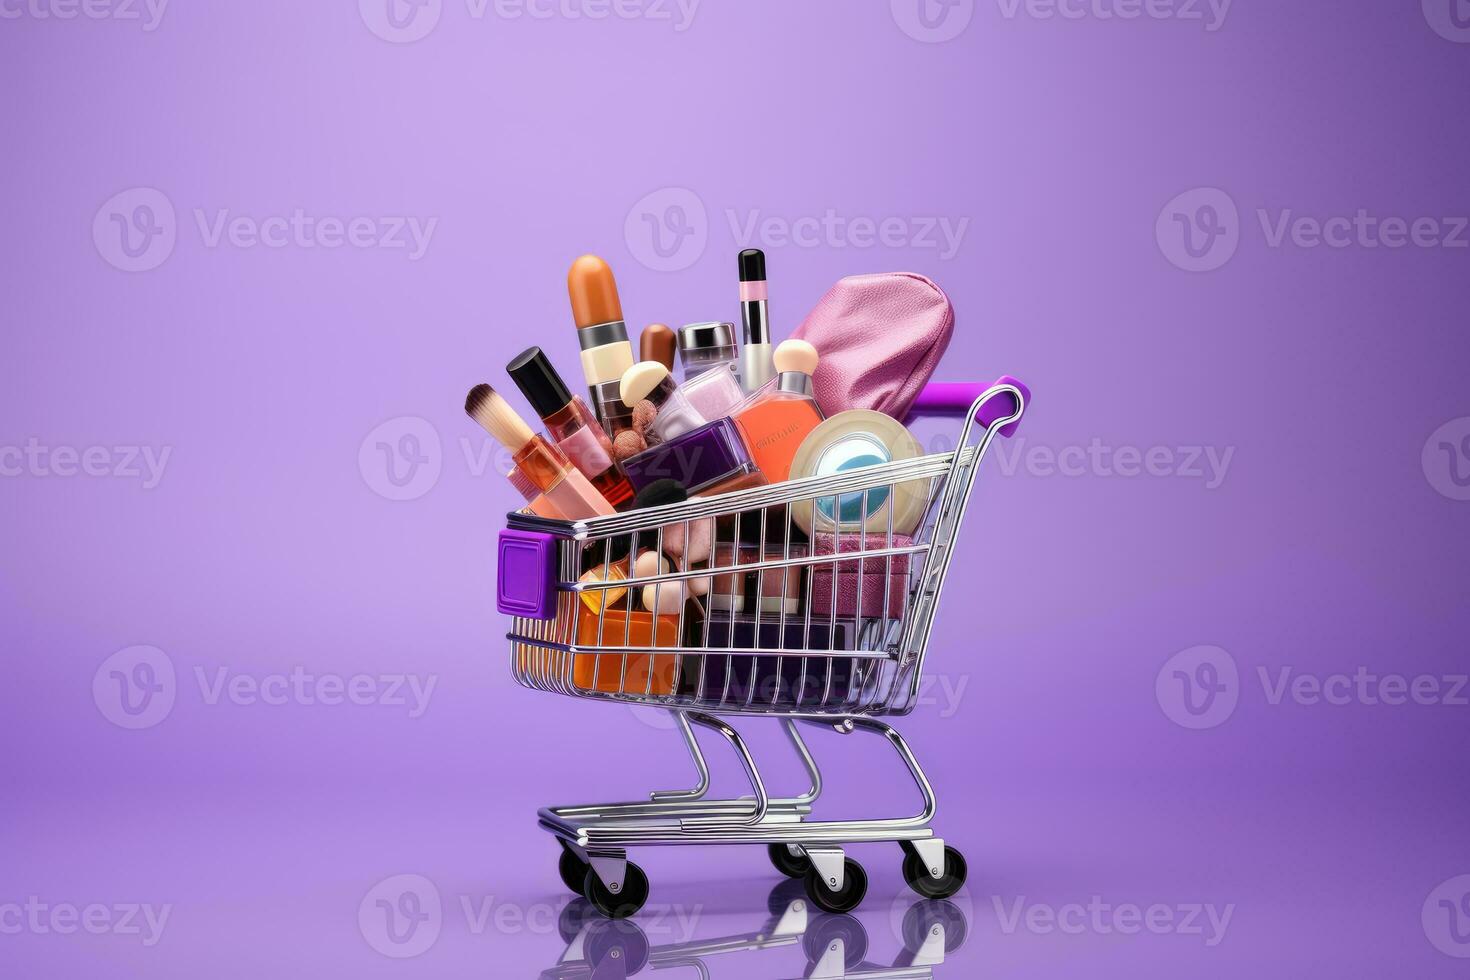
(533, 373)
(752, 263)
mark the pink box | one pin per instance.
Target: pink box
(881, 575)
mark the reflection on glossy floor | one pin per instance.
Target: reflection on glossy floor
(833, 946)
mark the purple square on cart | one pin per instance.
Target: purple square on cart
(525, 579)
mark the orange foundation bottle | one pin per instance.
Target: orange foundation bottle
(775, 419)
(646, 673)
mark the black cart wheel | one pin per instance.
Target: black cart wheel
(790, 865)
(921, 881)
(846, 898)
(626, 901)
(573, 871)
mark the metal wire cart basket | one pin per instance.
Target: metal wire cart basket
(815, 605)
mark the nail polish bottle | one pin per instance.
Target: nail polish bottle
(651, 380)
(711, 368)
(708, 460)
(536, 501)
(543, 464)
(778, 417)
(571, 424)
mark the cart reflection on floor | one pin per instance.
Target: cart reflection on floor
(834, 945)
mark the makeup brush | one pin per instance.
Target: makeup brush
(539, 461)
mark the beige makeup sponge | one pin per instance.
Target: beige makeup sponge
(640, 379)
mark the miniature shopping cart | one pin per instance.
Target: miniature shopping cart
(814, 604)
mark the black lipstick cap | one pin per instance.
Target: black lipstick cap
(752, 264)
(539, 382)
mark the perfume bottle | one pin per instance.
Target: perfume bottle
(777, 418)
(651, 381)
(711, 368)
(571, 424)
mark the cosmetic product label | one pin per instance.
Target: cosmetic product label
(584, 449)
(608, 362)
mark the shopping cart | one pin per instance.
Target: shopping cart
(815, 606)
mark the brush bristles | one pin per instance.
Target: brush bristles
(485, 406)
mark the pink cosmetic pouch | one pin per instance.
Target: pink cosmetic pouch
(880, 337)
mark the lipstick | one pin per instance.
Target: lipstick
(603, 337)
(658, 343)
(756, 365)
(546, 467)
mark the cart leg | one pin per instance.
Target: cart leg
(931, 854)
(807, 761)
(610, 867)
(762, 802)
(828, 860)
(692, 743)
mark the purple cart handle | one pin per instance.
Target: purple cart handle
(955, 398)
(525, 579)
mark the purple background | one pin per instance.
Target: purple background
(269, 544)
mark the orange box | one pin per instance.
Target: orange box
(647, 673)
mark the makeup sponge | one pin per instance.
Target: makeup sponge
(795, 355)
(639, 380)
(662, 597)
(643, 415)
(628, 444)
(688, 550)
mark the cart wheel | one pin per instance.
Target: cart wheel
(790, 865)
(611, 940)
(827, 929)
(573, 871)
(927, 885)
(845, 899)
(924, 916)
(623, 904)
